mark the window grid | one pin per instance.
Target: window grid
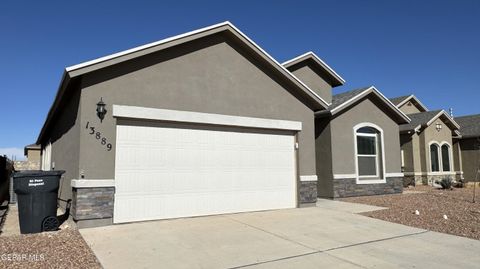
(369, 155)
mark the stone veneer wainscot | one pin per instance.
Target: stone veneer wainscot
(348, 187)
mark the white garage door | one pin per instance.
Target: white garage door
(169, 172)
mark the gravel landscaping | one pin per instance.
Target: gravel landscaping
(62, 249)
(462, 216)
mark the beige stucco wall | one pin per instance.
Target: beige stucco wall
(431, 134)
(33, 155)
(323, 146)
(413, 152)
(457, 157)
(64, 136)
(418, 153)
(343, 150)
(470, 150)
(409, 109)
(406, 145)
(210, 75)
(314, 82)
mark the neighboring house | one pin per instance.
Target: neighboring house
(430, 143)
(32, 154)
(470, 146)
(198, 124)
(356, 138)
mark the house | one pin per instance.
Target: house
(32, 153)
(356, 137)
(470, 146)
(198, 124)
(430, 149)
(207, 123)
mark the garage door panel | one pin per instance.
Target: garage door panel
(199, 182)
(161, 206)
(172, 172)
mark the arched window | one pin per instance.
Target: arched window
(369, 150)
(434, 158)
(446, 157)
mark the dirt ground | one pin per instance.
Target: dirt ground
(462, 216)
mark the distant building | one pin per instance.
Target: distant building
(33, 153)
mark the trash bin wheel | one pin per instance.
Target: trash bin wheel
(50, 223)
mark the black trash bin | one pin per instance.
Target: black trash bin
(37, 193)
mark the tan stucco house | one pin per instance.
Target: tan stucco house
(356, 137)
(32, 152)
(430, 148)
(208, 122)
(32, 155)
(198, 124)
(470, 146)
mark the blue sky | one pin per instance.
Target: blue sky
(430, 48)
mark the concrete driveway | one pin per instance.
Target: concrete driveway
(330, 235)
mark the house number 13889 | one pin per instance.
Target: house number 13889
(103, 140)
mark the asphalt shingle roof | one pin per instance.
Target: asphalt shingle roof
(469, 125)
(341, 98)
(398, 100)
(418, 119)
(32, 146)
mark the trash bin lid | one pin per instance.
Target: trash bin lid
(37, 173)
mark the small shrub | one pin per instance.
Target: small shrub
(446, 183)
(459, 184)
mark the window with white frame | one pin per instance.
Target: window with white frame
(446, 157)
(434, 158)
(440, 157)
(402, 157)
(368, 152)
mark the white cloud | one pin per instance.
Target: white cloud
(15, 153)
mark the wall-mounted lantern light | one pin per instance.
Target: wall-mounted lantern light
(101, 111)
(438, 126)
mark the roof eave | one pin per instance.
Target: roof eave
(450, 120)
(404, 118)
(61, 89)
(337, 79)
(220, 27)
(80, 69)
(470, 136)
(425, 109)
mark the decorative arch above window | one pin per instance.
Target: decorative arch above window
(434, 157)
(446, 157)
(369, 148)
(440, 157)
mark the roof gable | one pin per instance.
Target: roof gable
(424, 119)
(345, 100)
(318, 66)
(92, 65)
(404, 100)
(316, 102)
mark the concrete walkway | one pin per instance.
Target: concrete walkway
(327, 236)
